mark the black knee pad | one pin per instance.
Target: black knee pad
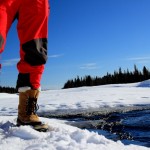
(35, 51)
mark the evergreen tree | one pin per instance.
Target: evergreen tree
(146, 73)
(10, 90)
(119, 76)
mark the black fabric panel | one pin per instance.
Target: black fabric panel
(23, 80)
(1, 41)
(35, 51)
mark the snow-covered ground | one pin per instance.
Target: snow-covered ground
(64, 137)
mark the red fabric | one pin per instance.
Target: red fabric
(8, 9)
(32, 24)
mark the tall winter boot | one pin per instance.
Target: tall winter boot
(27, 108)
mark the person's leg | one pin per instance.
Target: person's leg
(8, 12)
(32, 30)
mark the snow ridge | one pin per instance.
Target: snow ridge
(59, 137)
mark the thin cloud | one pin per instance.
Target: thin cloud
(55, 56)
(140, 60)
(89, 66)
(10, 62)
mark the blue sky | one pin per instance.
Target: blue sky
(87, 37)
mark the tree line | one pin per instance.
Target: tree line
(10, 90)
(117, 77)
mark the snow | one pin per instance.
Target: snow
(60, 135)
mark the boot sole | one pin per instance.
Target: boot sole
(41, 128)
(19, 122)
(38, 126)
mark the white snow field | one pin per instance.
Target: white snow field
(60, 135)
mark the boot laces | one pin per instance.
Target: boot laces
(32, 106)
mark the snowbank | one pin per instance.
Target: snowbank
(144, 84)
(59, 137)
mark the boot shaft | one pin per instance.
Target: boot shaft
(28, 106)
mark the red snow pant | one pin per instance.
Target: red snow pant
(32, 28)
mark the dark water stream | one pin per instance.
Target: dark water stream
(131, 126)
